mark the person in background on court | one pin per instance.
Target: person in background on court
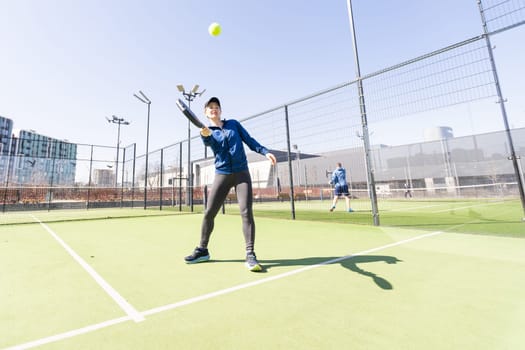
(226, 137)
(340, 187)
(408, 192)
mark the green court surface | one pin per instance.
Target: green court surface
(477, 216)
(121, 283)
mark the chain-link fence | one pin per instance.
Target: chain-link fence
(413, 111)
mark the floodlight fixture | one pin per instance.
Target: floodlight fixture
(141, 100)
(145, 97)
(119, 121)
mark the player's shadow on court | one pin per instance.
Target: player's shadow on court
(353, 263)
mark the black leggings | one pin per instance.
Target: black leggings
(222, 184)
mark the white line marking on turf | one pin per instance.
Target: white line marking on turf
(69, 334)
(127, 307)
(466, 207)
(416, 208)
(159, 309)
(273, 278)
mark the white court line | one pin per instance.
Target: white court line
(69, 334)
(159, 309)
(124, 305)
(469, 206)
(418, 207)
(277, 277)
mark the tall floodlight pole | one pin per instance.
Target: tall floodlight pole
(513, 157)
(119, 121)
(364, 122)
(189, 96)
(144, 99)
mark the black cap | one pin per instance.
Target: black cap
(213, 99)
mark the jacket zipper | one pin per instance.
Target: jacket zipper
(228, 149)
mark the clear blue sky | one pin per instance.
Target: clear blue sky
(65, 65)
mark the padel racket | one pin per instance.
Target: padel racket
(188, 113)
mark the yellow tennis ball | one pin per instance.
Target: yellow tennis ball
(214, 29)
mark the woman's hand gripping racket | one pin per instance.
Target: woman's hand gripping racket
(188, 113)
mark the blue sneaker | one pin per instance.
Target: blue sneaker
(350, 210)
(251, 263)
(198, 255)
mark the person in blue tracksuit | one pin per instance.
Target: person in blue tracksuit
(340, 187)
(226, 137)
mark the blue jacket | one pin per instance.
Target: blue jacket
(339, 177)
(226, 144)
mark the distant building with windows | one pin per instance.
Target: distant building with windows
(103, 177)
(6, 128)
(42, 160)
(30, 158)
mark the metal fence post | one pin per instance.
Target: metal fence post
(89, 182)
(122, 182)
(180, 176)
(161, 176)
(364, 122)
(133, 176)
(290, 170)
(513, 157)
